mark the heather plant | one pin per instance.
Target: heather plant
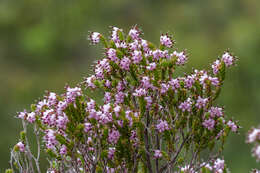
(150, 118)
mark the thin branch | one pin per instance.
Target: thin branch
(147, 145)
(176, 155)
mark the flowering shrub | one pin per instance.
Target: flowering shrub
(150, 120)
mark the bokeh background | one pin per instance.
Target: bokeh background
(43, 46)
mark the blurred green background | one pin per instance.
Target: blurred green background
(43, 46)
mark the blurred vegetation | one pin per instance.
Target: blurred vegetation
(43, 46)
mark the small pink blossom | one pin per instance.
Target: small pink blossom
(21, 146)
(216, 111)
(134, 33)
(209, 124)
(125, 63)
(137, 56)
(174, 83)
(228, 59)
(95, 37)
(181, 58)
(113, 136)
(111, 152)
(87, 127)
(162, 126)
(31, 117)
(63, 150)
(232, 125)
(166, 41)
(22, 115)
(140, 92)
(215, 66)
(186, 105)
(201, 102)
(151, 66)
(111, 54)
(157, 154)
(219, 165)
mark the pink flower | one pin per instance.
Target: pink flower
(111, 54)
(157, 154)
(232, 125)
(151, 66)
(186, 105)
(91, 104)
(52, 99)
(31, 117)
(95, 37)
(144, 44)
(120, 97)
(63, 150)
(107, 97)
(111, 152)
(72, 93)
(62, 121)
(113, 136)
(90, 81)
(117, 109)
(62, 105)
(114, 35)
(157, 54)
(87, 127)
(189, 81)
(174, 83)
(228, 59)
(219, 165)
(214, 81)
(166, 41)
(120, 86)
(50, 139)
(108, 84)
(201, 102)
(134, 33)
(216, 111)
(215, 66)
(22, 115)
(146, 82)
(121, 45)
(253, 135)
(134, 45)
(140, 92)
(162, 126)
(164, 88)
(209, 124)
(181, 58)
(21, 146)
(137, 56)
(125, 63)
(256, 152)
(41, 104)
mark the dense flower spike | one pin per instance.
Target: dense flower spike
(149, 118)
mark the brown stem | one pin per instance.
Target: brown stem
(176, 155)
(147, 145)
